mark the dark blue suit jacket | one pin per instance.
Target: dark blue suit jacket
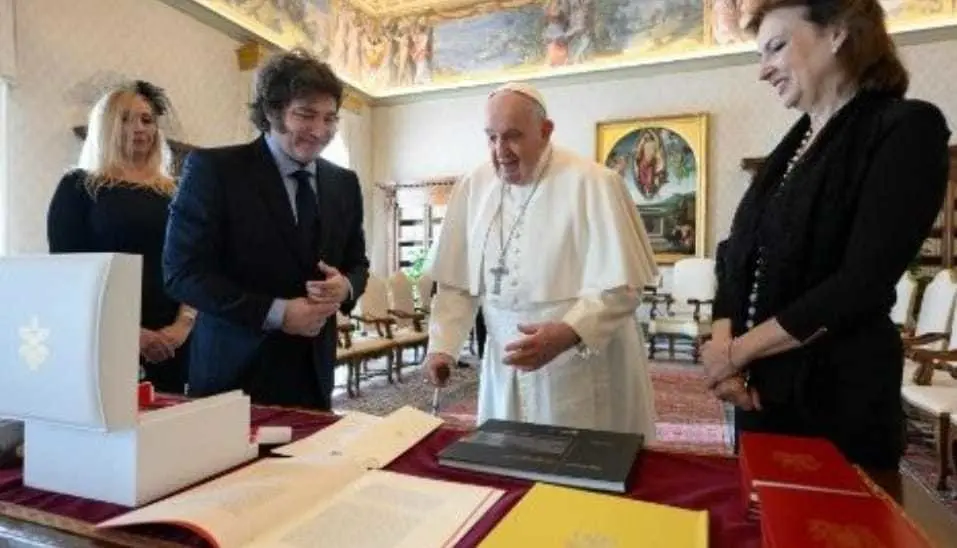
(231, 248)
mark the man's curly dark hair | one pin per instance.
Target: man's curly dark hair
(288, 76)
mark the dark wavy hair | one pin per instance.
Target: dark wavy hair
(154, 95)
(868, 55)
(289, 76)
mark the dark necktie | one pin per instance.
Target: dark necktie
(306, 212)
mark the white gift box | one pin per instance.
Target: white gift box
(69, 344)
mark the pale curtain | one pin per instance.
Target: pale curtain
(4, 166)
(356, 134)
(8, 51)
(337, 152)
(8, 69)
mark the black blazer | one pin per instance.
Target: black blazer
(231, 248)
(845, 225)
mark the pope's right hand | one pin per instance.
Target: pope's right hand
(306, 318)
(438, 367)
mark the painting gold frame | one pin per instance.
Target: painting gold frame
(664, 210)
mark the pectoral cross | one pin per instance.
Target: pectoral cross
(497, 273)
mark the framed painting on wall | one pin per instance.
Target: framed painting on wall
(663, 161)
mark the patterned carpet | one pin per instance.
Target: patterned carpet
(689, 419)
(921, 461)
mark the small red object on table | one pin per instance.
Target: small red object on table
(146, 395)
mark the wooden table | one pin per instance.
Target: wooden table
(938, 522)
(37, 518)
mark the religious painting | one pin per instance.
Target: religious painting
(663, 162)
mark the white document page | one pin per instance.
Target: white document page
(371, 441)
(376, 447)
(332, 439)
(387, 510)
(231, 511)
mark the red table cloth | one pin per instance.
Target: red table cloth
(688, 481)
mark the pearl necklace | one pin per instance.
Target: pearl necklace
(801, 149)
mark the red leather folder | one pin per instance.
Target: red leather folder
(793, 462)
(795, 518)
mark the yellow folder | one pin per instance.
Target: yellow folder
(550, 515)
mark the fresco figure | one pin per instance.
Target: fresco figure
(556, 29)
(422, 51)
(726, 22)
(403, 53)
(339, 46)
(581, 27)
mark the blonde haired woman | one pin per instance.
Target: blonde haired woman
(116, 200)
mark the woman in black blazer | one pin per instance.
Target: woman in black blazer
(117, 200)
(803, 343)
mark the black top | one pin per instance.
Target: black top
(120, 219)
(833, 237)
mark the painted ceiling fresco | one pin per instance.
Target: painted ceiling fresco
(389, 47)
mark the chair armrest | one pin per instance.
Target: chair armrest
(416, 317)
(926, 338)
(656, 298)
(697, 304)
(407, 315)
(926, 355)
(383, 326)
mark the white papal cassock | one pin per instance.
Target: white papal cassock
(579, 254)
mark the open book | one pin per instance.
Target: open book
(293, 503)
(329, 494)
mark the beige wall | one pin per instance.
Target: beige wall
(444, 136)
(65, 47)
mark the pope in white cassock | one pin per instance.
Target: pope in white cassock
(552, 248)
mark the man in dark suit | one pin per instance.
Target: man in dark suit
(265, 240)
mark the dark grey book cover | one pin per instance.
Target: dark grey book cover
(578, 457)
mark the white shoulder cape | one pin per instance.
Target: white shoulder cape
(586, 231)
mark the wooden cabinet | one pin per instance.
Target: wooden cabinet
(940, 247)
(415, 211)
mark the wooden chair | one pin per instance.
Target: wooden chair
(354, 352)
(424, 287)
(934, 317)
(693, 289)
(929, 387)
(902, 313)
(409, 330)
(376, 327)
